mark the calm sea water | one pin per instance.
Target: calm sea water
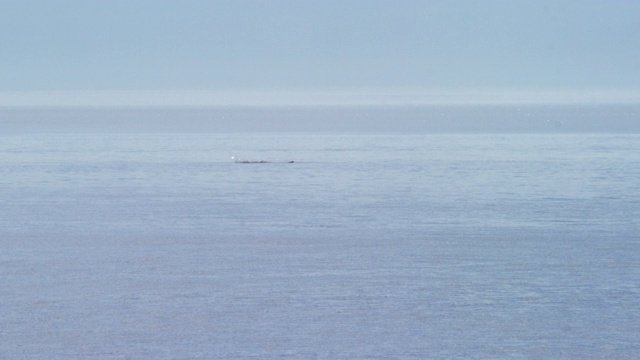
(367, 246)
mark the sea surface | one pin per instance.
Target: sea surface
(377, 246)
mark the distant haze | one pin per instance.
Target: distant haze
(425, 119)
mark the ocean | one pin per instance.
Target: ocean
(140, 243)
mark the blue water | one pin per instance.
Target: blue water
(367, 246)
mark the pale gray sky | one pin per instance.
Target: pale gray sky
(211, 52)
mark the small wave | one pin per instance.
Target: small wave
(251, 162)
(241, 161)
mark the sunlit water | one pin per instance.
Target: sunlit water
(367, 246)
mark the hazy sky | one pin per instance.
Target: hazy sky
(158, 50)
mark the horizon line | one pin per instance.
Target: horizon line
(324, 97)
